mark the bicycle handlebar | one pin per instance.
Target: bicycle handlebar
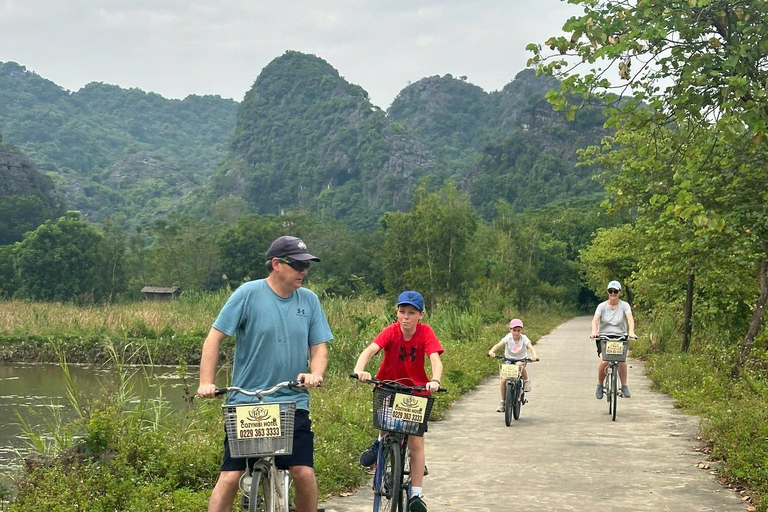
(524, 360)
(260, 393)
(394, 385)
(613, 337)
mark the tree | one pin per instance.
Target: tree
(695, 68)
(64, 260)
(427, 249)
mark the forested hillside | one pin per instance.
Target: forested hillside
(507, 144)
(304, 140)
(308, 140)
(81, 136)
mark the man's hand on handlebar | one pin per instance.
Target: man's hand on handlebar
(206, 390)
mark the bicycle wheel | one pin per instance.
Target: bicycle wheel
(614, 392)
(519, 394)
(387, 486)
(510, 398)
(261, 494)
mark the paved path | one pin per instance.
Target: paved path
(565, 453)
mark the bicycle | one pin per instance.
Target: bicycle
(514, 390)
(261, 431)
(400, 412)
(613, 348)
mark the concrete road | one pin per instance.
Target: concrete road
(565, 453)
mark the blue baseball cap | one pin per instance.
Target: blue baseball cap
(412, 299)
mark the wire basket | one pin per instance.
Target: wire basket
(405, 413)
(611, 352)
(260, 431)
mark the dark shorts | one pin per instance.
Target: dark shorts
(303, 447)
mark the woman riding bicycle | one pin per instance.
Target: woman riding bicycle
(405, 343)
(614, 316)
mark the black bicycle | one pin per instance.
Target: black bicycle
(514, 387)
(613, 348)
(401, 413)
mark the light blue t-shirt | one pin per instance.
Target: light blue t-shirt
(273, 338)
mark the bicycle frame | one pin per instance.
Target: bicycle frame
(393, 445)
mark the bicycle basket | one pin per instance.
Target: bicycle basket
(614, 350)
(259, 429)
(401, 412)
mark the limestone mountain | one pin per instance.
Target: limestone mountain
(506, 144)
(27, 197)
(306, 139)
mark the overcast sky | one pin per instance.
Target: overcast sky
(179, 47)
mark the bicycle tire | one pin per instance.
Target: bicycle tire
(509, 400)
(519, 394)
(388, 480)
(261, 495)
(614, 392)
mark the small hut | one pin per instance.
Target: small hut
(161, 292)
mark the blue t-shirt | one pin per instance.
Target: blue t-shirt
(273, 338)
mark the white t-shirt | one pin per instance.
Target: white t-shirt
(513, 350)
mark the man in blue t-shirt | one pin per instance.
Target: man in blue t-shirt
(278, 326)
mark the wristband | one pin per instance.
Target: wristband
(435, 380)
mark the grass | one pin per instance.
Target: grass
(127, 453)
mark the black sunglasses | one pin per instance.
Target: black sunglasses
(298, 266)
(612, 291)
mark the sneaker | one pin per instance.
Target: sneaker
(416, 504)
(369, 456)
(625, 392)
(500, 408)
(527, 386)
(599, 392)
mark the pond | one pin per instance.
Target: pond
(37, 393)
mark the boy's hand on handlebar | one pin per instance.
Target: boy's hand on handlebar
(534, 359)
(491, 353)
(309, 380)
(633, 336)
(206, 390)
(432, 386)
(363, 376)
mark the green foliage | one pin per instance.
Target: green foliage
(64, 260)
(427, 249)
(20, 214)
(8, 282)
